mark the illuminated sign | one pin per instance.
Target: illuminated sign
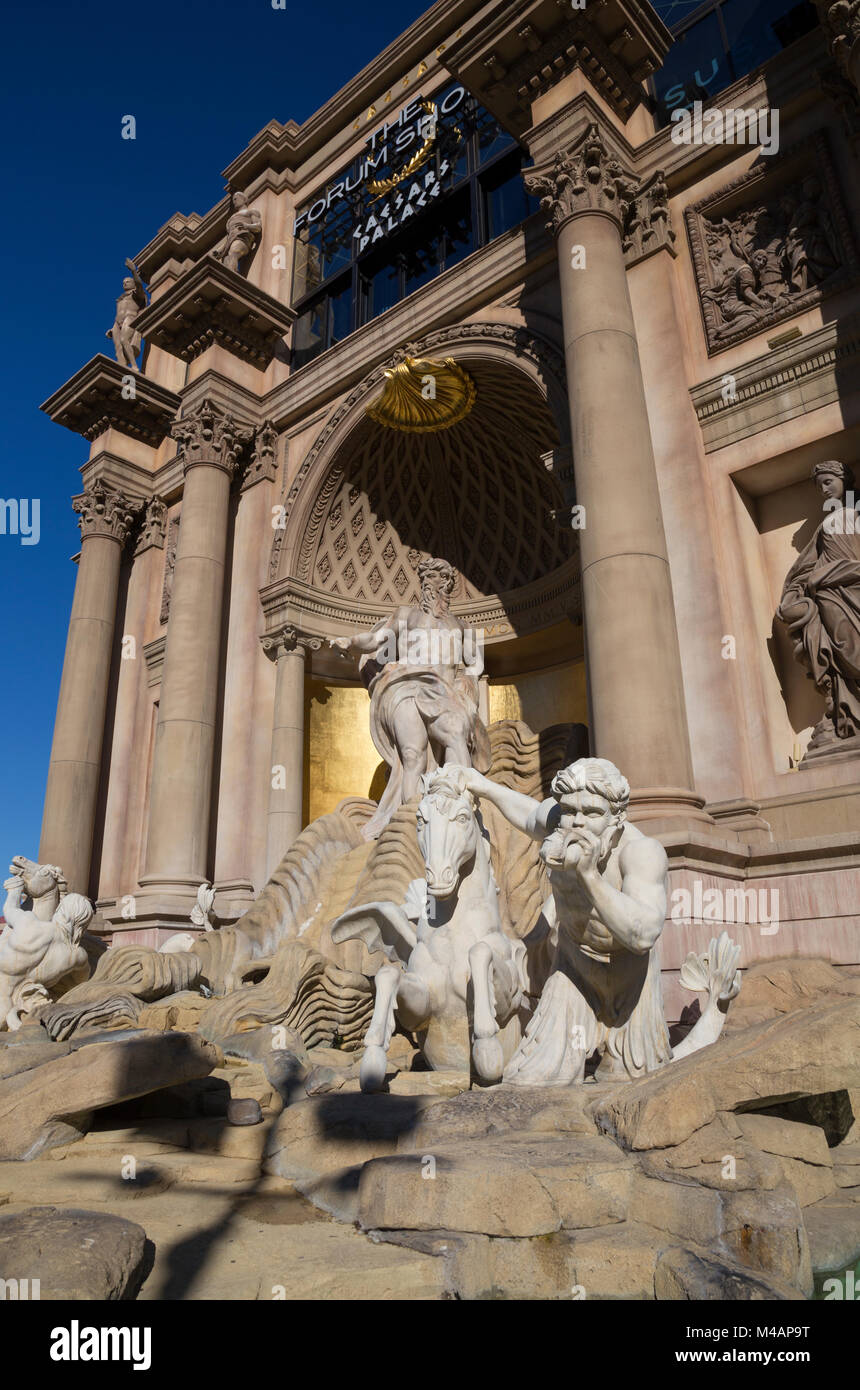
(383, 172)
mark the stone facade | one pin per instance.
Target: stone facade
(661, 354)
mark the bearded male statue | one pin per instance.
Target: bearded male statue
(602, 924)
(421, 669)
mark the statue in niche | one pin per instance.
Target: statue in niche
(602, 923)
(132, 301)
(820, 606)
(421, 668)
(40, 946)
(244, 229)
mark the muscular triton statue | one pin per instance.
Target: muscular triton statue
(602, 923)
(421, 668)
(244, 229)
(126, 341)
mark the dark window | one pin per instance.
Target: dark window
(506, 202)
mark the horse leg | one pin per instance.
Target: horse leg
(486, 1048)
(374, 1062)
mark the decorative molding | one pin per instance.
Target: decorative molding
(153, 526)
(208, 438)
(153, 653)
(771, 244)
(105, 511)
(817, 369)
(404, 406)
(589, 177)
(262, 464)
(103, 395)
(209, 305)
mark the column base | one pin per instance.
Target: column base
(657, 809)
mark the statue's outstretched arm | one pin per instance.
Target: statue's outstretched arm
(12, 910)
(533, 817)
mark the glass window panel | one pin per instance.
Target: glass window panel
(759, 28)
(382, 288)
(505, 198)
(309, 335)
(340, 311)
(421, 260)
(457, 226)
(696, 68)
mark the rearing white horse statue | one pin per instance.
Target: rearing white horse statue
(458, 940)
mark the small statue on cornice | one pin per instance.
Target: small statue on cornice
(131, 303)
(244, 229)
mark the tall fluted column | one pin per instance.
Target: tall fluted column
(68, 821)
(287, 649)
(637, 699)
(181, 789)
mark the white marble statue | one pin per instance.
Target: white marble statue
(40, 945)
(605, 916)
(456, 939)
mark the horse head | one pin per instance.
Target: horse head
(38, 879)
(449, 830)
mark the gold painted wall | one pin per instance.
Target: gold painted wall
(340, 759)
(541, 698)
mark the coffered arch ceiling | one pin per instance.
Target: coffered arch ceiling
(477, 495)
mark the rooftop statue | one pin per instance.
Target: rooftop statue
(132, 302)
(244, 229)
(820, 606)
(421, 668)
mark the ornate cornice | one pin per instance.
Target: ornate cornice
(104, 511)
(208, 438)
(590, 178)
(103, 395)
(153, 526)
(209, 305)
(262, 465)
(283, 640)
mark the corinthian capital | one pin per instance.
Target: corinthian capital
(262, 463)
(104, 511)
(591, 178)
(206, 437)
(153, 526)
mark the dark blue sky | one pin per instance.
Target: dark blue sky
(201, 77)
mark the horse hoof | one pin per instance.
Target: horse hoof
(488, 1058)
(374, 1065)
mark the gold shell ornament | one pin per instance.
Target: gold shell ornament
(421, 395)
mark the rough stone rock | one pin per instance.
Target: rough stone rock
(775, 988)
(244, 1110)
(178, 1012)
(32, 1054)
(256, 1044)
(684, 1274)
(323, 1133)
(104, 1007)
(43, 1107)
(423, 1083)
(802, 1152)
(846, 1165)
(323, 1080)
(74, 1254)
(504, 1110)
(765, 1232)
(713, 1158)
(833, 1229)
(684, 1210)
(816, 1050)
(516, 1185)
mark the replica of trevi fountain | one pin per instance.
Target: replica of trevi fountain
(440, 1032)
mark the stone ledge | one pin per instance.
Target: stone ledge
(92, 401)
(211, 304)
(779, 385)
